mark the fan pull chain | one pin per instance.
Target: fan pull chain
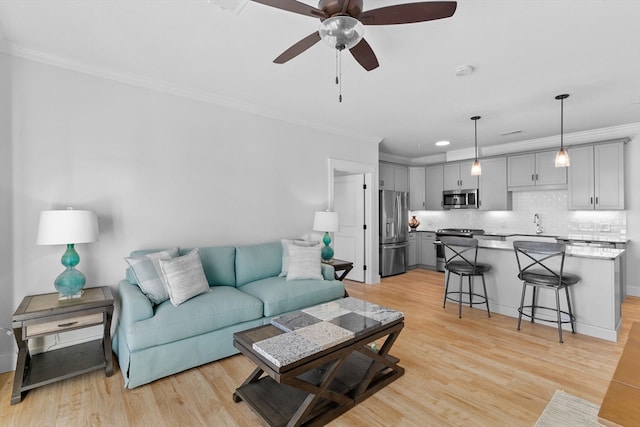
(339, 73)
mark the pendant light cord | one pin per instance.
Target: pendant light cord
(475, 123)
(562, 124)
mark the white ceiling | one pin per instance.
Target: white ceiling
(525, 52)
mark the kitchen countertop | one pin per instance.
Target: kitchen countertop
(574, 251)
(586, 237)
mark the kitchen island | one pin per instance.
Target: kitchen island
(596, 299)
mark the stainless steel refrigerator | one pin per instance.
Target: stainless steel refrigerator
(394, 232)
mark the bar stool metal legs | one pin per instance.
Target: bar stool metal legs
(536, 271)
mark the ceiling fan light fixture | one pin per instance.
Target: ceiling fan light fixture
(341, 32)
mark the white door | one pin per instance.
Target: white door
(349, 241)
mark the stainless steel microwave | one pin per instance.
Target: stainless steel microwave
(460, 199)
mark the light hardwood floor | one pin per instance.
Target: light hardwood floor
(474, 371)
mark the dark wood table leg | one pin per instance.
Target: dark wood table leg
(255, 376)
(106, 342)
(21, 365)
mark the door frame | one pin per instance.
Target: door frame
(370, 172)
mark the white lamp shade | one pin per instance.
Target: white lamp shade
(62, 227)
(326, 221)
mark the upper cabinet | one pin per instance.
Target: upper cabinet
(492, 191)
(394, 177)
(417, 188)
(535, 171)
(596, 177)
(434, 176)
(457, 176)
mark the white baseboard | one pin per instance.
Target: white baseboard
(633, 291)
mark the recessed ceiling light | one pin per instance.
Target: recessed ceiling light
(442, 143)
(464, 70)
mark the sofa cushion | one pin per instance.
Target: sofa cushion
(184, 277)
(148, 275)
(255, 262)
(218, 263)
(304, 263)
(223, 306)
(285, 252)
(130, 276)
(280, 296)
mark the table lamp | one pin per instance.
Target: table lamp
(68, 227)
(328, 222)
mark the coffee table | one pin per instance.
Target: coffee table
(317, 363)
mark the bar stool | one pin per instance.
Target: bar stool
(541, 266)
(461, 255)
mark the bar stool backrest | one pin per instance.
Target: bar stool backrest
(540, 261)
(461, 252)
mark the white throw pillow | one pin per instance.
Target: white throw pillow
(146, 269)
(285, 252)
(304, 263)
(184, 277)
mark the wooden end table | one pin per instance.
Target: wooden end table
(42, 315)
(310, 387)
(340, 265)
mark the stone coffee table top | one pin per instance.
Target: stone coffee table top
(313, 329)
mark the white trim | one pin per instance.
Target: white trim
(370, 171)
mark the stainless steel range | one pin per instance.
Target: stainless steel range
(459, 232)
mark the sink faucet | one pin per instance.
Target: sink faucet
(536, 221)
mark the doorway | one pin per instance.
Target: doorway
(368, 250)
(348, 201)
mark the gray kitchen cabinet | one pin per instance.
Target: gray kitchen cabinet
(393, 177)
(596, 177)
(434, 177)
(413, 251)
(457, 176)
(535, 171)
(417, 188)
(493, 192)
(427, 249)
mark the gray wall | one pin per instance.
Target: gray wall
(159, 170)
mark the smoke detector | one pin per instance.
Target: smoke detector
(464, 70)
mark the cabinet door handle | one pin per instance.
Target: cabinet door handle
(591, 201)
(597, 202)
(64, 325)
(533, 177)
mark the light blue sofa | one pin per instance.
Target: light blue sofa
(152, 342)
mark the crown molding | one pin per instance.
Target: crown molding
(576, 138)
(629, 131)
(156, 85)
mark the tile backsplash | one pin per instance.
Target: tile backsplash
(551, 207)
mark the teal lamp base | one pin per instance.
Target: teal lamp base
(326, 252)
(70, 282)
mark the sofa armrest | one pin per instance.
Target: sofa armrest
(135, 305)
(328, 272)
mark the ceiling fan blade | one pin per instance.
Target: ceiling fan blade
(295, 7)
(298, 48)
(363, 53)
(409, 13)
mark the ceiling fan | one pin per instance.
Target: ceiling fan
(342, 24)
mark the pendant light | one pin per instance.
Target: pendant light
(562, 157)
(476, 169)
